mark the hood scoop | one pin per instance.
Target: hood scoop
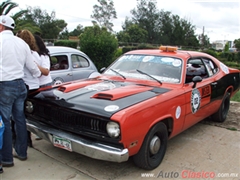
(74, 86)
(121, 92)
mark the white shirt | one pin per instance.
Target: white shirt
(31, 81)
(14, 55)
(45, 63)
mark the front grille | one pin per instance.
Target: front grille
(70, 120)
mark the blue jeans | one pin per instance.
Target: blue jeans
(12, 97)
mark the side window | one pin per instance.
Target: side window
(59, 62)
(195, 67)
(210, 66)
(79, 61)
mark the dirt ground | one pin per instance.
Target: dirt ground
(233, 118)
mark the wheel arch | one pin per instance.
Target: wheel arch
(230, 90)
(169, 124)
(154, 145)
(221, 114)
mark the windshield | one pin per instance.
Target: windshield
(164, 69)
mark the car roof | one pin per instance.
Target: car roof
(62, 49)
(178, 54)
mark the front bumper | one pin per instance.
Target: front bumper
(80, 145)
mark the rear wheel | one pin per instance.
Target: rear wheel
(221, 114)
(153, 148)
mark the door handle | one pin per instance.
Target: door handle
(69, 74)
(214, 83)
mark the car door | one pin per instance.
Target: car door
(81, 67)
(60, 68)
(199, 98)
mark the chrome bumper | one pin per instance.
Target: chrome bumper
(80, 145)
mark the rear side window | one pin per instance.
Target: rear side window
(211, 67)
(200, 67)
(59, 62)
(79, 61)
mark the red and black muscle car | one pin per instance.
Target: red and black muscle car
(139, 102)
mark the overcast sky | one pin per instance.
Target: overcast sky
(219, 19)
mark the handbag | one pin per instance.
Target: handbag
(1, 131)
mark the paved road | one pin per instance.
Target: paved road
(203, 150)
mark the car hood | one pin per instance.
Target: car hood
(100, 97)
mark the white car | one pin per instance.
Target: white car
(69, 64)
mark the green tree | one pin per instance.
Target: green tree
(226, 47)
(5, 9)
(49, 26)
(99, 44)
(128, 22)
(237, 44)
(123, 37)
(7, 6)
(162, 26)
(21, 24)
(176, 31)
(165, 26)
(77, 31)
(64, 34)
(104, 13)
(147, 17)
(133, 34)
(184, 34)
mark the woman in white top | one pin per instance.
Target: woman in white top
(33, 83)
(44, 62)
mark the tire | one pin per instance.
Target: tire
(221, 114)
(150, 158)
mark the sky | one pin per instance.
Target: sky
(219, 20)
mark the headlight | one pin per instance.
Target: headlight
(29, 107)
(113, 129)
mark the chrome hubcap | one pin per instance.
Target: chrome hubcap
(155, 145)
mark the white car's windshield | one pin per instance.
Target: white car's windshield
(164, 69)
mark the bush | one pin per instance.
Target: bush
(128, 48)
(140, 46)
(238, 57)
(99, 44)
(211, 52)
(67, 43)
(118, 53)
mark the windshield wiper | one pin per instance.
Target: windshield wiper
(118, 73)
(149, 75)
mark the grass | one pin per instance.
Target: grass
(232, 129)
(236, 97)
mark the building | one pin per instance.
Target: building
(220, 44)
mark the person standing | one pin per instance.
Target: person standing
(33, 83)
(43, 52)
(44, 62)
(15, 54)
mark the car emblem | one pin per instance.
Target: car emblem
(195, 100)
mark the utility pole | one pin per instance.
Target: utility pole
(203, 36)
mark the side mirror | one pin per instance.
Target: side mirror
(195, 80)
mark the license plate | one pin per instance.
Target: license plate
(62, 143)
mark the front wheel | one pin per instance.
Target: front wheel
(221, 114)
(153, 148)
